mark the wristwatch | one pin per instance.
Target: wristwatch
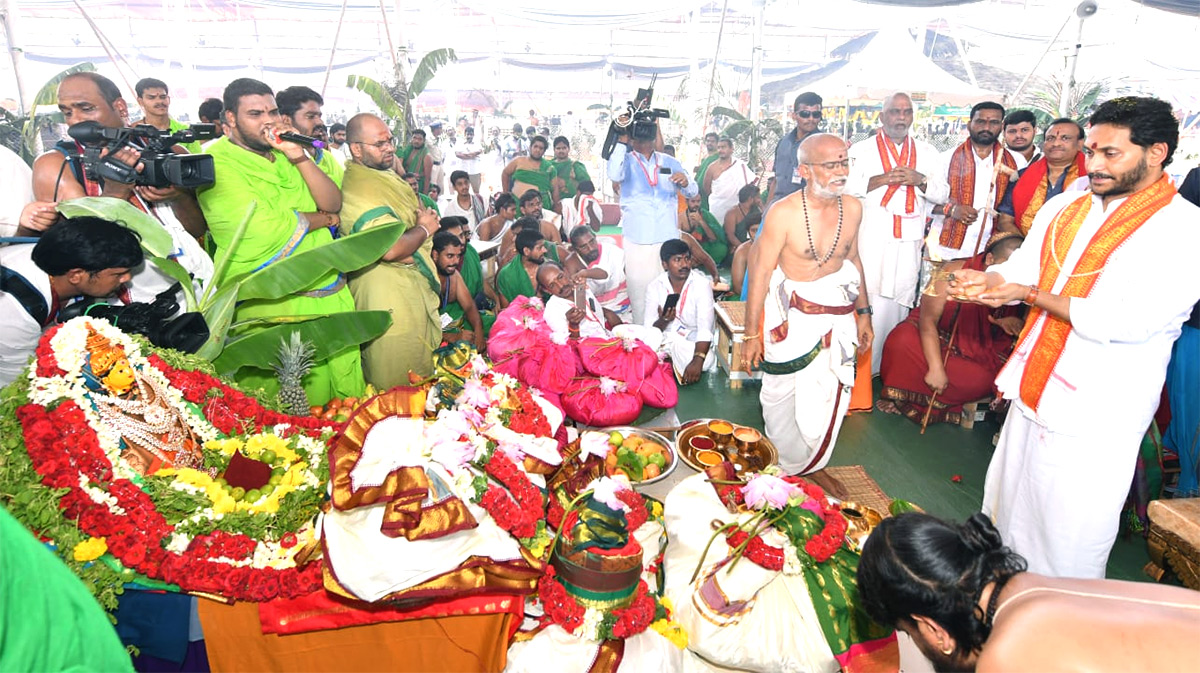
(866, 310)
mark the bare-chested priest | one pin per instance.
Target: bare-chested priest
(807, 315)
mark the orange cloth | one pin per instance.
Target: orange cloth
(862, 397)
(234, 640)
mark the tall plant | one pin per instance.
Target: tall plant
(1085, 97)
(754, 141)
(395, 100)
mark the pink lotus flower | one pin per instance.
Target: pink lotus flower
(474, 394)
(605, 490)
(766, 489)
(593, 443)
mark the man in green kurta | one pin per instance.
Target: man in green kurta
(414, 158)
(701, 224)
(532, 172)
(294, 202)
(710, 146)
(472, 266)
(517, 278)
(301, 106)
(568, 173)
(404, 282)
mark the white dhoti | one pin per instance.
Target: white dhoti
(642, 265)
(682, 352)
(750, 619)
(725, 188)
(803, 410)
(1057, 499)
(891, 268)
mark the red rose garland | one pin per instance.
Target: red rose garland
(820, 547)
(562, 609)
(518, 518)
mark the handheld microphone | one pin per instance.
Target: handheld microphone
(300, 139)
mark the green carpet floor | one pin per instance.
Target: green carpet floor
(906, 464)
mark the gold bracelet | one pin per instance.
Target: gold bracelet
(751, 337)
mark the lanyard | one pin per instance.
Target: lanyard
(651, 178)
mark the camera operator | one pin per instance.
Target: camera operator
(59, 175)
(84, 256)
(650, 184)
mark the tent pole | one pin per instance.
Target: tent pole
(962, 53)
(105, 44)
(713, 79)
(756, 59)
(8, 11)
(1015, 96)
(333, 49)
(387, 31)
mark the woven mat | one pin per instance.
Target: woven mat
(736, 312)
(851, 483)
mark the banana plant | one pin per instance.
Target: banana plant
(395, 101)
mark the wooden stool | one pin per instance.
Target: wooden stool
(971, 411)
(731, 327)
(1174, 540)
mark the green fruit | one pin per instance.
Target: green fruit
(253, 495)
(657, 459)
(227, 488)
(267, 456)
(238, 493)
(615, 438)
(222, 483)
(278, 472)
(275, 479)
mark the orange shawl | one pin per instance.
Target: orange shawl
(962, 188)
(1030, 191)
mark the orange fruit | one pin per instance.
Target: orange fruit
(315, 411)
(651, 471)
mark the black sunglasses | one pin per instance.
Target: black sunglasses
(808, 114)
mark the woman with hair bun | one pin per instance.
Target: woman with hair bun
(969, 604)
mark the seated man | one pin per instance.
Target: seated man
(701, 224)
(472, 266)
(568, 321)
(679, 303)
(508, 248)
(495, 227)
(741, 262)
(518, 278)
(602, 265)
(749, 206)
(460, 318)
(928, 355)
(531, 206)
(462, 203)
(582, 209)
(414, 181)
(84, 256)
(969, 604)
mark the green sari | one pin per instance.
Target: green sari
(409, 291)
(276, 231)
(711, 236)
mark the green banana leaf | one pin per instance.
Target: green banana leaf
(719, 111)
(299, 271)
(156, 240)
(427, 68)
(218, 313)
(330, 334)
(225, 254)
(379, 95)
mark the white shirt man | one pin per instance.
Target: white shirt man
(984, 197)
(1109, 302)
(694, 322)
(19, 332)
(893, 224)
(612, 291)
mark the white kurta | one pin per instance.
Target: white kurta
(984, 169)
(612, 291)
(695, 319)
(19, 332)
(804, 410)
(17, 180)
(891, 265)
(725, 188)
(1059, 476)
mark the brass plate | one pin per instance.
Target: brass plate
(627, 430)
(767, 454)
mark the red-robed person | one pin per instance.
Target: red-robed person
(912, 368)
(1061, 165)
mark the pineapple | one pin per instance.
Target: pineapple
(294, 361)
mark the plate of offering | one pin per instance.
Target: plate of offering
(704, 442)
(645, 457)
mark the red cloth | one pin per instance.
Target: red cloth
(979, 351)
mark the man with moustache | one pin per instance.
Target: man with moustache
(1110, 277)
(295, 205)
(568, 173)
(806, 112)
(1020, 126)
(518, 278)
(300, 108)
(688, 326)
(977, 172)
(602, 265)
(1045, 178)
(59, 175)
(532, 172)
(154, 98)
(415, 158)
(806, 294)
(404, 282)
(710, 155)
(724, 180)
(896, 177)
(460, 318)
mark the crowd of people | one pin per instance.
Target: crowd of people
(1047, 277)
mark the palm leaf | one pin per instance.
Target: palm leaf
(378, 94)
(301, 270)
(720, 111)
(330, 334)
(427, 68)
(156, 240)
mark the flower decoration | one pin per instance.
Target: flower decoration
(607, 490)
(767, 490)
(592, 443)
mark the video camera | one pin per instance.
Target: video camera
(639, 121)
(153, 320)
(160, 166)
